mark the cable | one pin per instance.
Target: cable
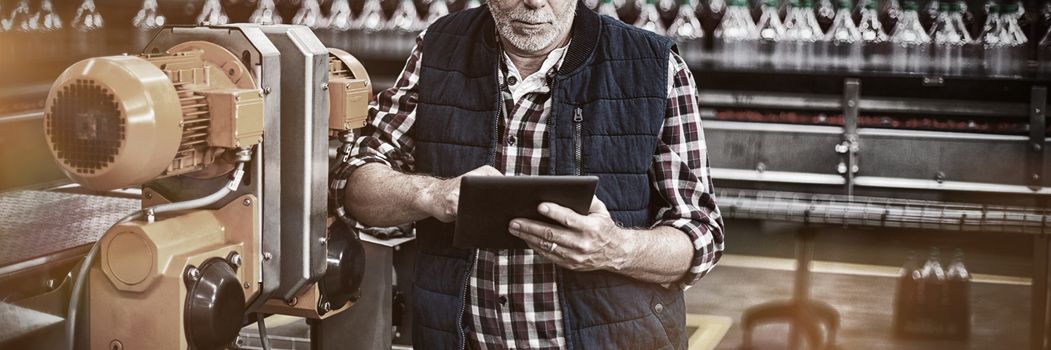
(264, 340)
(78, 284)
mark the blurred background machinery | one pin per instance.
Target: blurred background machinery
(839, 132)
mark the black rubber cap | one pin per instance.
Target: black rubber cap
(346, 266)
(215, 306)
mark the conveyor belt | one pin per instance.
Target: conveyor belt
(881, 212)
(34, 224)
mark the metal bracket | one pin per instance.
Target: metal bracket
(850, 146)
(1037, 135)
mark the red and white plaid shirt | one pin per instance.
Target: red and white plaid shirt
(512, 299)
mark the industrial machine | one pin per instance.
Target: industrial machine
(226, 129)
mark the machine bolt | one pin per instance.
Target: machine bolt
(1037, 147)
(324, 86)
(761, 167)
(326, 306)
(50, 284)
(247, 202)
(939, 176)
(323, 241)
(148, 195)
(266, 90)
(193, 273)
(841, 168)
(1036, 177)
(855, 169)
(267, 256)
(292, 302)
(247, 285)
(235, 259)
(851, 103)
(116, 345)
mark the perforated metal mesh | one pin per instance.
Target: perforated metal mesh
(86, 126)
(35, 223)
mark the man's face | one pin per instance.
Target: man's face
(532, 25)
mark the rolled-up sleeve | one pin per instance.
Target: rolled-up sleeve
(385, 138)
(681, 175)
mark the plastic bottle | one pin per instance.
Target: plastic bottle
(910, 44)
(948, 41)
(771, 35)
(650, 18)
(404, 18)
(606, 7)
(890, 14)
(957, 300)
(933, 290)
(370, 19)
(906, 300)
(876, 47)
(930, 12)
(858, 8)
(800, 37)
(713, 15)
(1003, 43)
(686, 31)
(844, 39)
(1016, 40)
(737, 36)
(825, 14)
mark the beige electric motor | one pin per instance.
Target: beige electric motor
(118, 121)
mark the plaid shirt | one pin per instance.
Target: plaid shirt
(512, 297)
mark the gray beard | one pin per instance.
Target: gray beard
(536, 42)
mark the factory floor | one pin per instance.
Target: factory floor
(854, 271)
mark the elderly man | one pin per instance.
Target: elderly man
(544, 87)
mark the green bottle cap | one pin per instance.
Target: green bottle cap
(843, 4)
(1009, 8)
(943, 6)
(871, 5)
(910, 6)
(773, 3)
(954, 7)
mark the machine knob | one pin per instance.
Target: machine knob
(215, 305)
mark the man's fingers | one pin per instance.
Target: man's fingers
(597, 206)
(485, 170)
(539, 234)
(562, 215)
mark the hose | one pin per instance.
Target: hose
(78, 284)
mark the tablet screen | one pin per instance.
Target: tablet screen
(488, 204)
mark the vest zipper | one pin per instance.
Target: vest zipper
(578, 119)
(463, 302)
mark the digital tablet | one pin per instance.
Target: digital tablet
(488, 204)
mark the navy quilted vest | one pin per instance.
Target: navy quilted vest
(608, 103)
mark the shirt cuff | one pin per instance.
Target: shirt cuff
(706, 252)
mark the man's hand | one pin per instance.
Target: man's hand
(581, 243)
(441, 199)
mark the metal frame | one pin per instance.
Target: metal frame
(262, 58)
(304, 162)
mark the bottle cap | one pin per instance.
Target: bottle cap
(843, 4)
(909, 6)
(943, 6)
(770, 3)
(871, 5)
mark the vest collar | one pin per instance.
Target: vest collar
(585, 34)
